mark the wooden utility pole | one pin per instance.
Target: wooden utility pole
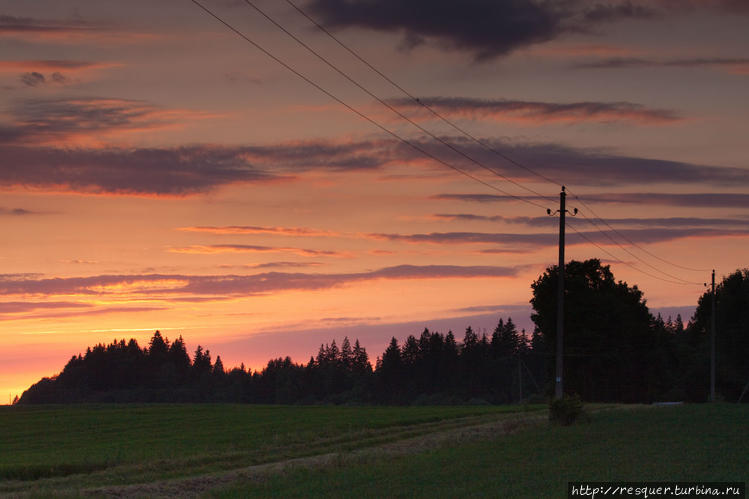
(559, 381)
(712, 343)
(559, 384)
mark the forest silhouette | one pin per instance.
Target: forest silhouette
(615, 351)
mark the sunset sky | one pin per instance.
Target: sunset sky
(160, 172)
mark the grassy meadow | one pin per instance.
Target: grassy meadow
(282, 451)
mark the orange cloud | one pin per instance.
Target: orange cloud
(249, 229)
(247, 248)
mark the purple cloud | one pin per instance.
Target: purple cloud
(553, 222)
(539, 112)
(13, 24)
(202, 286)
(33, 159)
(701, 200)
(603, 237)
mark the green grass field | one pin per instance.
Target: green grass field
(241, 450)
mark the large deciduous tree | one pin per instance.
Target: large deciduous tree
(608, 338)
(732, 333)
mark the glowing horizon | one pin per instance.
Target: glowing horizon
(158, 172)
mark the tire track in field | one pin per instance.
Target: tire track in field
(456, 432)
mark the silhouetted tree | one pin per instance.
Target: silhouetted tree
(608, 341)
(731, 339)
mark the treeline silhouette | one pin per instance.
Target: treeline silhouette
(431, 369)
(615, 351)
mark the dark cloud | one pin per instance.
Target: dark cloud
(736, 63)
(540, 112)
(62, 118)
(644, 222)
(489, 29)
(732, 6)
(485, 28)
(614, 11)
(202, 286)
(35, 79)
(700, 200)
(581, 166)
(597, 167)
(173, 172)
(32, 79)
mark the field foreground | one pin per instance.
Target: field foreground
(240, 450)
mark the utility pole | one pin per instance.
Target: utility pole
(520, 383)
(712, 344)
(559, 382)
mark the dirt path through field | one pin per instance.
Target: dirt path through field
(198, 485)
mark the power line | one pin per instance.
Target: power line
(418, 101)
(633, 255)
(384, 102)
(581, 234)
(483, 144)
(634, 243)
(356, 111)
(440, 116)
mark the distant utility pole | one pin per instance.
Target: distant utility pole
(559, 383)
(712, 344)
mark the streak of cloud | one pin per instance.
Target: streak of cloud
(69, 31)
(53, 65)
(271, 265)
(89, 119)
(605, 237)
(253, 229)
(736, 65)
(231, 286)
(248, 248)
(701, 200)
(28, 25)
(17, 307)
(136, 172)
(552, 222)
(536, 112)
